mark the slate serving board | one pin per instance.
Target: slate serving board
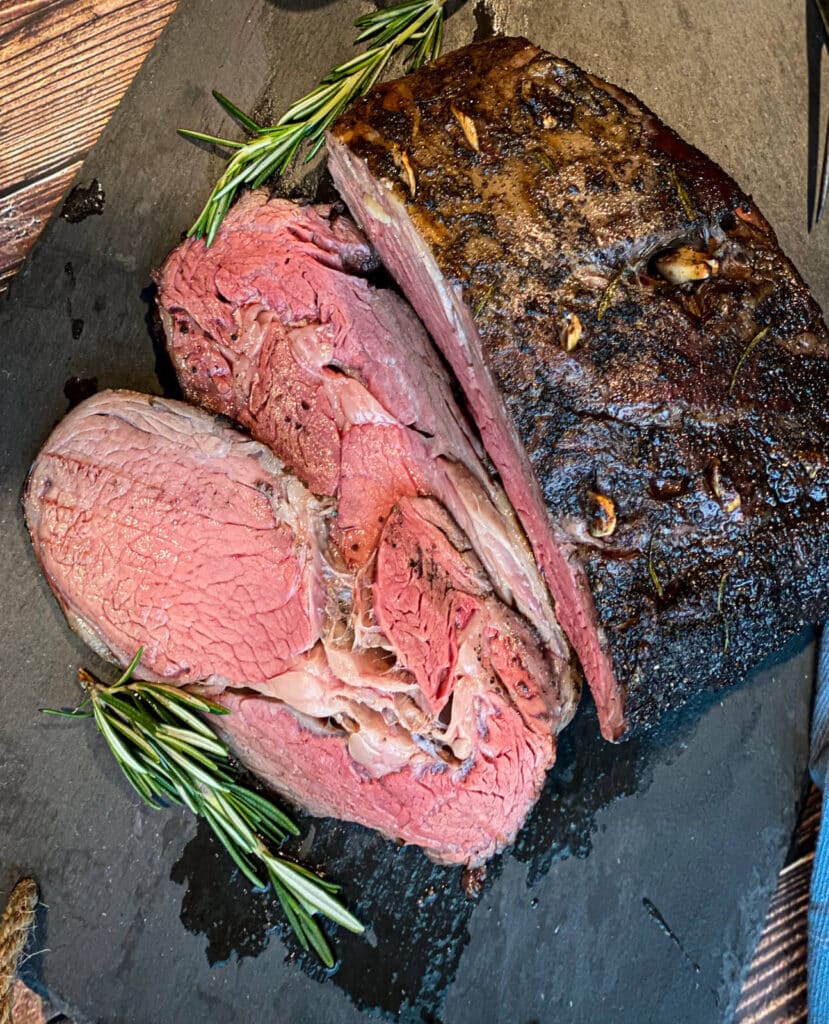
(638, 888)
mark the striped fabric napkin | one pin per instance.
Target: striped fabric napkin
(819, 903)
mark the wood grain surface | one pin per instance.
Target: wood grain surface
(775, 988)
(65, 65)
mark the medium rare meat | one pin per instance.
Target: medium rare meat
(157, 527)
(647, 369)
(276, 326)
(476, 666)
(405, 695)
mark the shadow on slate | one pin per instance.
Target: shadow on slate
(412, 906)
(418, 908)
(641, 863)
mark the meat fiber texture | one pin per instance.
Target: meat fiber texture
(420, 705)
(276, 326)
(647, 370)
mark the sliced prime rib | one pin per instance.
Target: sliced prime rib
(461, 790)
(276, 326)
(406, 696)
(647, 370)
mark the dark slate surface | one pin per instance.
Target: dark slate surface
(639, 887)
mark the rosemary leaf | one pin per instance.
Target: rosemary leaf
(235, 821)
(168, 754)
(185, 698)
(545, 160)
(185, 748)
(259, 804)
(134, 736)
(231, 844)
(121, 753)
(59, 713)
(416, 24)
(215, 140)
(190, 768)
(657, 586)
(299, 869)
(265, 826)
(195, 806)
(129, 712)
(607, 294)
(181, 712)
(682, 194)
(303, 887)
(317, 941)
(194, 739)
(752, 345)
(128, 672)
(481, 304)
(296, 919)
(141, 786)
(235, 112)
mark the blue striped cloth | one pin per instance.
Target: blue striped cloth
(819, 903)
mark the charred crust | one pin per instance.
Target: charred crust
(576, 185)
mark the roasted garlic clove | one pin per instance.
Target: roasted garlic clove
(468, 126)
(685, 265)
(571, 332)
(602, 515)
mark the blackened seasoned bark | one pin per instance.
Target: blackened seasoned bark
(646, 367)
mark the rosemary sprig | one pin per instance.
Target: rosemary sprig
(169, 754)
(414, 23)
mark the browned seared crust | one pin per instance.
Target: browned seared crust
(698, 410)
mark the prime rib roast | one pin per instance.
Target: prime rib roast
(646, 368)
(374, 583)
(410, 698)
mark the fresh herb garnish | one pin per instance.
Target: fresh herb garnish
(752, 345)
(169, 754)
(414, 23)
(607, 294)
(481, 304)
(545, 160)
(682, 194)
(657, 586)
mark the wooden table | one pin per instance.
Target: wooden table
(65, 65)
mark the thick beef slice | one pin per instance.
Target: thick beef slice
(459, 815)
(159, 526)
(475, 737)
(276, 325)
(648, 372)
